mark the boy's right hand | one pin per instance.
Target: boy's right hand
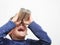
(14, 19)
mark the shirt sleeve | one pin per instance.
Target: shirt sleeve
(39, 33)
(6, 28)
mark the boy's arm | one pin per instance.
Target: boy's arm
(39, 33)
(5, 29)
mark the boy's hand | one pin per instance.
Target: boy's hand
(14, 19)
(26, 20)
(29, 21)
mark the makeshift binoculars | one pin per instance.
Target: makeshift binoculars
(23, 14)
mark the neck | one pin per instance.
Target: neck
(17, 38)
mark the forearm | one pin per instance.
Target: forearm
(5, 29)
(38, 31)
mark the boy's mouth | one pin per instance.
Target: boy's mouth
(20, 29)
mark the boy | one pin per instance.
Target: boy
(17, 30)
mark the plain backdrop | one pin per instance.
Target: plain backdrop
(44, 12)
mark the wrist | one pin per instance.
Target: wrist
(31, 22)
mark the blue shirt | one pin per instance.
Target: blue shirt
(34, 27)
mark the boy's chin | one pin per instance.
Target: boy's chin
(21, 34)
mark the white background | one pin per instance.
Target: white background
(45, 12)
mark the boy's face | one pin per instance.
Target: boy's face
(19, 31)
